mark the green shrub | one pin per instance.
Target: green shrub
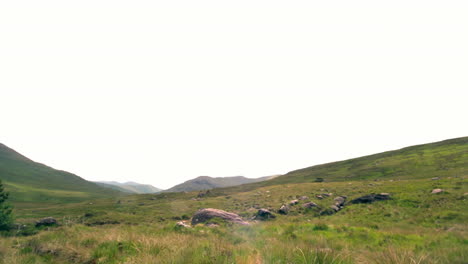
(6, 218)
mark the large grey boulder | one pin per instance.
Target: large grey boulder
(205, 215)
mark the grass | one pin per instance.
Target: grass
(415, 226)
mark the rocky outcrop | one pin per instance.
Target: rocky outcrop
(372, 198)
(205, 215)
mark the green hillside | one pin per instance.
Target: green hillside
(29, 181)
(439, 159)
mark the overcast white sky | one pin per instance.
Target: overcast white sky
(163, 91)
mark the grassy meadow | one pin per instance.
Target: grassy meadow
(415, 226)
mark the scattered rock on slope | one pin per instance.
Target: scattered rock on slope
(340, 201)
(284, 209)
(372, 198)
(264, 214)
(204, 215)
(48, 221)
(293, 202)
(309, 205)
(435, 191)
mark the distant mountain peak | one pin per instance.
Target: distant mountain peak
(206, 182)
(129, 187)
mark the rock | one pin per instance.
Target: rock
(48, 221)
(212, 225)
(284, 209)
(204, 215)
(309, 205)
(435, 191)
(372, 198)
(302, 198)
(327, 194)
(264, 214)
(202, 194)
(435, 178)
(319, 196)
(182, 224)
(293, 202)
(340, 200)
(335, 208)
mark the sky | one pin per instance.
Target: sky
(160, 92)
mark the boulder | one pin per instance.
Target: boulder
(335, 208)
(435, 178)
(436, 191)
(264, 214)
(284, 209)
(309, 205)
(319, 196)
(293, 202)
(205, 215)
(372, 198)
(340, 201)
(48, 221)
(302, 198)
(326, 194)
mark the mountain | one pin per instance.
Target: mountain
(129, 187)
(29, 181)
(206, 183)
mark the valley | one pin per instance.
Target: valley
(415, 225)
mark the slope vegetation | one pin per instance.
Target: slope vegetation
(439, 159)
(29, 181)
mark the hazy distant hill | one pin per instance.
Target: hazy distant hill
(206, 183)
(29, 181)
(129, 187)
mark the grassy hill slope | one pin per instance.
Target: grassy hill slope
(29, 181)
(439, 159)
